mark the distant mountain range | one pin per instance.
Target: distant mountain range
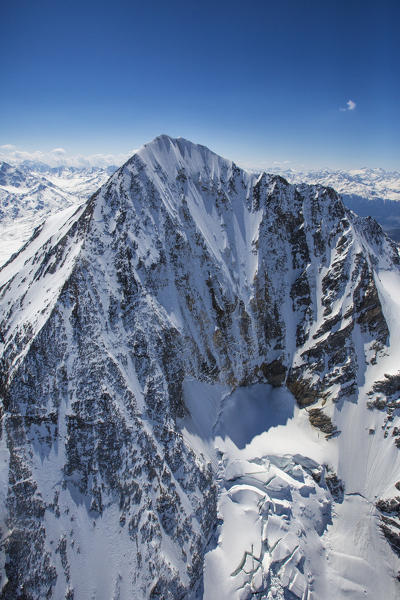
(373, 184)
(369, 192)
(32, 191)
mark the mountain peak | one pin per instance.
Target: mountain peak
(176, 155)
(165, 142)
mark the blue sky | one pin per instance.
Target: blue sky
(261, 82)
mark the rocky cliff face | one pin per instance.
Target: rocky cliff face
(183, 268)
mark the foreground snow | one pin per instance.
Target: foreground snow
(280, 528)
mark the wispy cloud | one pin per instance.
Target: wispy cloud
(59, 157)
(350, 105)
(59, 151)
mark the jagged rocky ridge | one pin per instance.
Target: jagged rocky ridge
(368, 192)
(183, 268)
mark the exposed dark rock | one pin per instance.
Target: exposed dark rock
(335, 485)
(321, 421)
(390, 521)
(304, 393)
(391, 534)
(388, 386)
(274, 372)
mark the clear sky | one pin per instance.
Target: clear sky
(316, 83)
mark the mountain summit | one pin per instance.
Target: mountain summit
(199, 392)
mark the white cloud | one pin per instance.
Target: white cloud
(350, 105)
(59, 151)
(59, 157)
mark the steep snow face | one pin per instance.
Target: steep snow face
(30, 194)
(193, 363)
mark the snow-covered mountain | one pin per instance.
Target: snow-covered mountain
(30, 192)
(368, 183)
(33, 190)
(200, 392)
(369, 192)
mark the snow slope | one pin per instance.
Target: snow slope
(200, 392)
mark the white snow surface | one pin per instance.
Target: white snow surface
(274, 516)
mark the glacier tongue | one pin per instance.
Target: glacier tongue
(286, 521)
(199, 392)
